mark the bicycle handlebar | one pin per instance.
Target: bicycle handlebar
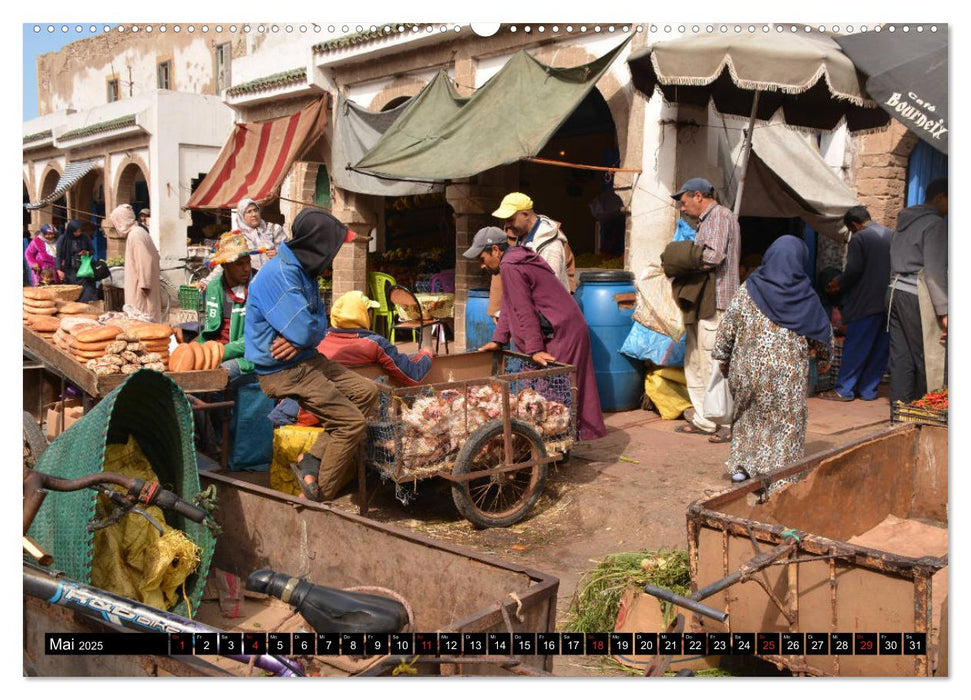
(138, 491)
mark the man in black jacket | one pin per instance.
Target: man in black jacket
(863, 284)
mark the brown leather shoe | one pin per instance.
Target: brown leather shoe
(833, 395)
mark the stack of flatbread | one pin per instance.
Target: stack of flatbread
(84, 339)
(42, 305)
(39, 304)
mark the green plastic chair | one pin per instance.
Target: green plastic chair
(378, 284)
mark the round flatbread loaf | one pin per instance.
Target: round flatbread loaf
(182, 358)
(38, 293)
(199, 360)
(212, 353)
(40, 303)
(45, 324)
(40, 310)
(75, 307)
(87, 354)
(93, 335)
(150, 331)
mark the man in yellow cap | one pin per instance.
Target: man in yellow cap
(538, 232)
(351, 342)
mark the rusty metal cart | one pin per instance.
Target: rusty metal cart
(858, 545)
(490, 423)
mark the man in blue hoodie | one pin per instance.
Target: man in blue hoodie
(285, 321)
(918, 296)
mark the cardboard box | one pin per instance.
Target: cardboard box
(72, 414)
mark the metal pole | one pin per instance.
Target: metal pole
(746, 150)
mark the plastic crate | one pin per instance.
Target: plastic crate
(189, 298)
(901, 412)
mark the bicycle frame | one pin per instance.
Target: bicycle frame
(123, 613)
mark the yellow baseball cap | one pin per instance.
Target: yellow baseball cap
(511, 203)
(350, 310)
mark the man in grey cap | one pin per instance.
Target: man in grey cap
(541, 317)
(718, 237)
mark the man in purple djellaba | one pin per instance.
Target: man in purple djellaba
(541, 317)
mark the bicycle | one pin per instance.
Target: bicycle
(195, 272)
(326, 609)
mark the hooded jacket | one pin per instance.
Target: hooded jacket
(284, 299)
(550, 242)
(920, 243)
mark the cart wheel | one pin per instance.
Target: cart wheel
(34, 440)
(499, 500)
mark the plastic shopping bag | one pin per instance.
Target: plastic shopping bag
(718, 406)
(85, 271)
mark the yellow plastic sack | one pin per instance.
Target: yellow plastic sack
(668, 389)
(288, 442)
(130, 557)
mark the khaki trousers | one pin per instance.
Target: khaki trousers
(697, 366)
(340, 399)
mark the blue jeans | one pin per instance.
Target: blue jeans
(866, 350)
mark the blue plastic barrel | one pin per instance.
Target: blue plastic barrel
(479, 327)
(620, 380)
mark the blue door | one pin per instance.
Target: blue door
(926, 163)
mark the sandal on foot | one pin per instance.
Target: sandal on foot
(720, 438)
(308, 466)
(691, 429)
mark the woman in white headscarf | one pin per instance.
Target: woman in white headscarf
(142, 275)
(259, 233)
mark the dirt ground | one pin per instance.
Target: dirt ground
(625, 492)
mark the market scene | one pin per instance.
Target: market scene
(568, 350)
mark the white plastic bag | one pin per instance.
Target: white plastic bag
(718, 406)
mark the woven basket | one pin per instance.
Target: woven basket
(65, 292)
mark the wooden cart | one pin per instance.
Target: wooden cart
(496, 458)
(45, 358)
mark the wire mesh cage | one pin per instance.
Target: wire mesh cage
(417, 432)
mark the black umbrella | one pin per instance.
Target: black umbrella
(906, 73)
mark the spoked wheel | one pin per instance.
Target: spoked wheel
(499, 499)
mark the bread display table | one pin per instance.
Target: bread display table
(97, 387)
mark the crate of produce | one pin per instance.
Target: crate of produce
(930, 409)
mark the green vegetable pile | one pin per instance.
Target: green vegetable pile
(597, 599)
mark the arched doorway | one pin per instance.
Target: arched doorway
(54, 213)
(88, 207)
(571, 195)
(133, 188)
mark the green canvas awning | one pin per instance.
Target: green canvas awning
(444, 137)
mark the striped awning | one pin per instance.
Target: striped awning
(69, 178)
(257, 157)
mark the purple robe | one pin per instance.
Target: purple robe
(530, 286)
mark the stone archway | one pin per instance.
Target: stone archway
(54, 213)
(132, 186)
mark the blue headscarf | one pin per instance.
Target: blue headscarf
(781, 289)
